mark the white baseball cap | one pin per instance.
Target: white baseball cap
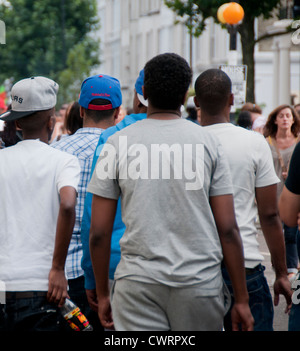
(31, 95)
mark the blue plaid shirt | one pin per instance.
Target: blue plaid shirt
(81, 144)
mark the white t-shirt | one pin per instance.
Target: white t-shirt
(31, 176)
(166, 172)
(251, 167)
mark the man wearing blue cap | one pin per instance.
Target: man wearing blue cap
(100, 100)
(140, 112)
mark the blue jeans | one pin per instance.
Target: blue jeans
(260, 300)
(29, 314)
(294, 318)
(290, 238)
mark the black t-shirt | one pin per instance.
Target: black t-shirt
(293, 180)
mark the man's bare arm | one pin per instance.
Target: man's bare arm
(102, 220)
(223, 211)
(289, 207)
(57, 290)
(266, 198)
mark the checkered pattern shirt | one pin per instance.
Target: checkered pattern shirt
(81, 144)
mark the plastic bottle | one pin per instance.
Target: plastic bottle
(74, 317)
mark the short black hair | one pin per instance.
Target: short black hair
(97, 115)
(36, 121)
(213, 88)
(244, 120)
(167, 79)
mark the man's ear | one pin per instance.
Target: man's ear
(117, 112)
(196, 102)
(81, 110)
(145, 93)
(185, 98)
(51, 123)
(17, 125)
(231, 99)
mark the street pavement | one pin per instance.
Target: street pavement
(280, 317)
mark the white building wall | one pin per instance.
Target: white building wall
(133, 31)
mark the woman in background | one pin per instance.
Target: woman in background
(281, 130)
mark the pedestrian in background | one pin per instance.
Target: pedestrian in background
(257, 118)
(254, 178)
(244, 120)
(297, 109)
(73, 120)
(282, 130)
(289, 208)
(98, 114)
(140, 110)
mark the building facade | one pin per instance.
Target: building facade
(133, 31)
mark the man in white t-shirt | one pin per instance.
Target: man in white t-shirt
(253, 178)
(37, 212)
(177, 206)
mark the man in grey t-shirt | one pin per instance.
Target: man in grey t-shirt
(177, 206)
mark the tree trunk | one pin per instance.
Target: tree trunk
(247, 32)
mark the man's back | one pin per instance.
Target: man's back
(31, 177)
(167, 172)
(251, 167)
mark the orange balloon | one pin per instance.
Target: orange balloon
(233, 13)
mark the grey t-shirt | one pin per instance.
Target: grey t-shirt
(165, 172)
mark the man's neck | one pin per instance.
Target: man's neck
(43, 137)
(163, 114)
(208, 120)
(100, 125)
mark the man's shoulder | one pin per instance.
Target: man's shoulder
(234, 133)
(78, 144)
(122, 128)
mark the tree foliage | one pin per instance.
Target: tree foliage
(42, 37)
(196, 12)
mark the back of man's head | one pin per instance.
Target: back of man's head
(213, 89)
(167, 79)
(100, 96)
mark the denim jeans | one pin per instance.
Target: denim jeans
(260, 300)
(290, 238)
(294, 316)
(29, 314)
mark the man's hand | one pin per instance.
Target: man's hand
(58, 285)
(92, 299)
(105, 313)
(241, 316)
(283, 286)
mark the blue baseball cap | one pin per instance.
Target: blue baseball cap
(100, 87)
(138, 87)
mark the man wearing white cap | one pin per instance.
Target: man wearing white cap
(37, 212)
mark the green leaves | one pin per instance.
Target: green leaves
(203, 9)
(42, 36)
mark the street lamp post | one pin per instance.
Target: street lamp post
(231, 14)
